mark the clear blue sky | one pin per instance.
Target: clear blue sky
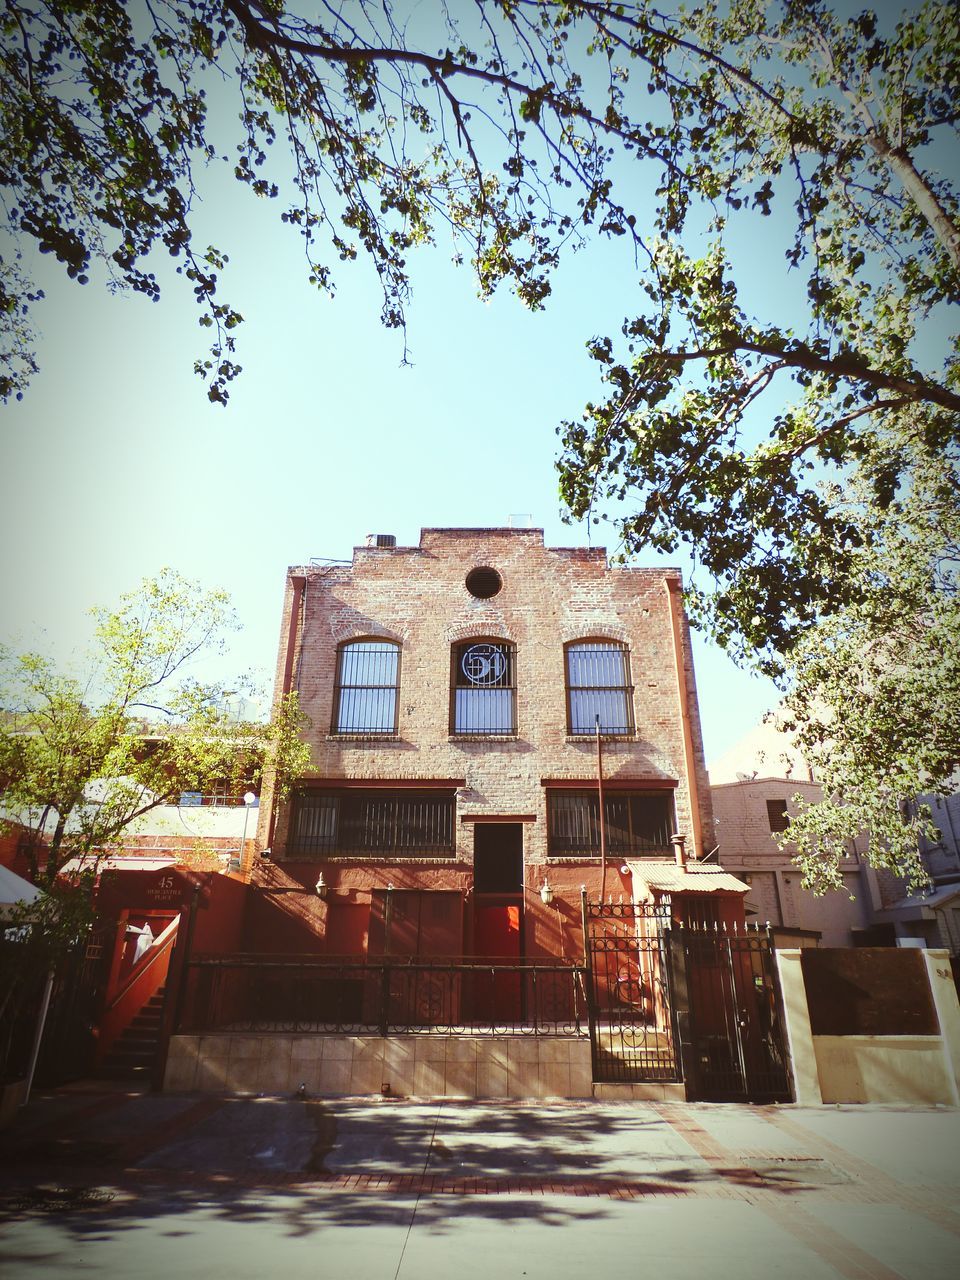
(116, 465)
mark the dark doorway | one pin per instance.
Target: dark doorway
(498, 858)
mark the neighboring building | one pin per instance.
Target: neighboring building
(932, 914)
(753, 787)
(452, 808)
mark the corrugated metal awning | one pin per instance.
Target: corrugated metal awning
(667, 877)
(120, 862)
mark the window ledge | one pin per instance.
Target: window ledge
(633, 736)
(373, 736)
(613, 859)
(483, 737)
(421, 859)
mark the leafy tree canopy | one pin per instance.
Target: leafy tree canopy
(517, 127)
(874, 689)
(83, 757)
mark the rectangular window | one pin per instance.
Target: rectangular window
(598, 686)
(484, 694)
(636, 823)
(777, 815)
(407, 823)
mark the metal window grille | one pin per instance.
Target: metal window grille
(637, 823)
(367, 685)
(410, 823)
(484, 690)
(777, 815)
(598, 684)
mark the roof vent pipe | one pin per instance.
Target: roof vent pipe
(679, 843)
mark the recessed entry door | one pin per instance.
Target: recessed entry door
(498, 918)
(498, 858)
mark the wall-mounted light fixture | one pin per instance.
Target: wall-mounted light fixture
(266, 854)
(322, 888)
(546, 893)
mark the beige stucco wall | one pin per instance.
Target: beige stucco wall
(912, 1069)
(922, 1070)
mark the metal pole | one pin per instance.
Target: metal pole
(38, 1035)
(589, 992)
(603, 825)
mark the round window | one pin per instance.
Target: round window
(483, 583)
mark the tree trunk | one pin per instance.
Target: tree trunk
(922, 194)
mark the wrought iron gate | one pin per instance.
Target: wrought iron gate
(735, 1023)
(632, 1025)
(672, 1003)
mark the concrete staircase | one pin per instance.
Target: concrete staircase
(132, 1056)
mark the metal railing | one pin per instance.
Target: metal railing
(383, 996)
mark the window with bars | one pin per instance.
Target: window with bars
(598, 685)
(407, 823)
(368, 681)
(636, 823)
(484, 690)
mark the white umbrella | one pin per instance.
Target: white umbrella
(14, 891)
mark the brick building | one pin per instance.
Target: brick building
(452, 807)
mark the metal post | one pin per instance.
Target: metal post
(38, 1036)
(679, 998)
(384, 999)
(603, 824)
(385, 972)
(589, 992)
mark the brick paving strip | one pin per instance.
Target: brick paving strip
(134, 1180)
(846, 1258)
(734, 1178)
(932, 1202)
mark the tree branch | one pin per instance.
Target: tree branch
(912, 390)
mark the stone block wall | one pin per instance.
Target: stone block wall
(340, 1065)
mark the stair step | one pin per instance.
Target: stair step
(142, 1044)
(124, 1071)
(147, 1020)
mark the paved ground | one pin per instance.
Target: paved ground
(119, 1184)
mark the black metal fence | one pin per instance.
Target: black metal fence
(736, 1027)
(386, 997)
(634, 1035)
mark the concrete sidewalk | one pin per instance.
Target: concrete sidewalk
(157, 1185)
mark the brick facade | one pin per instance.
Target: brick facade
(416, 598)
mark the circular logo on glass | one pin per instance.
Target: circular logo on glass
(483, 664)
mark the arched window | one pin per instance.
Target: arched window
(368, 680)
(484, 692)
(598, 684)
